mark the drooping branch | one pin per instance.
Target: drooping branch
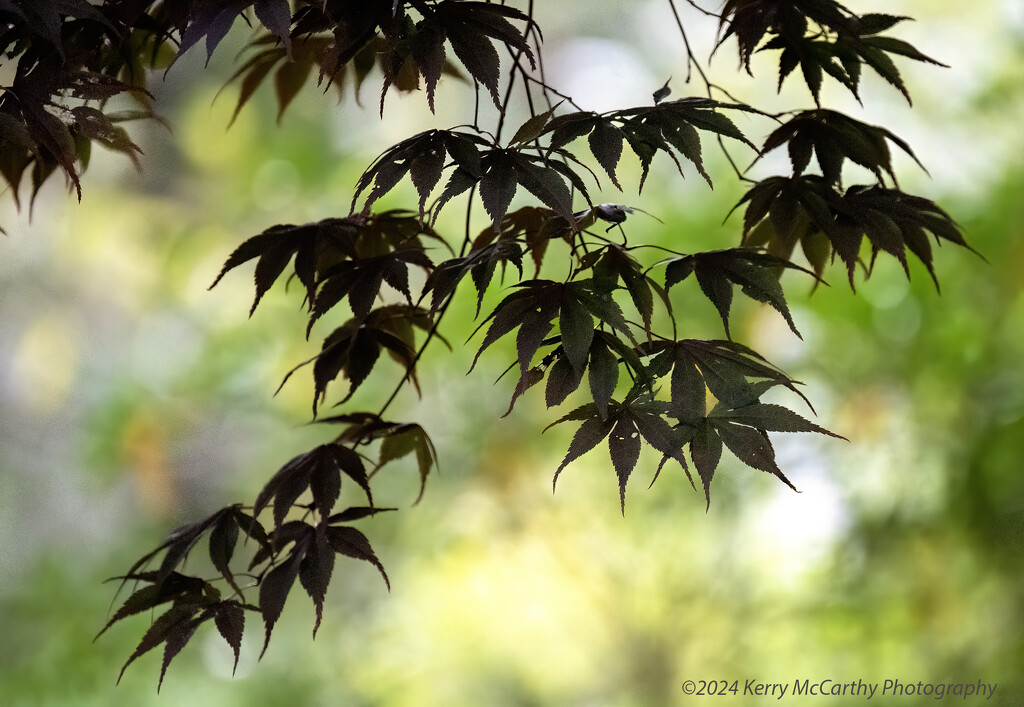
(686, 399)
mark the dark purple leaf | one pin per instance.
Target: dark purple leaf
(588, 436)
(355, 513)
(176, 587)
(526, 381)
(577, 330)
(223, 539)
(624, 447)
(174, 620)
(769, 417)
(606, 144)
(275, 587)
(480, 58)
(325, 479)
(176, 639)
(751, 447)
(276, 16)
(604, 376)
(351, 464)
(229, 618)
(563, 379)
(315, 572)
(498, 187)
(351, 543)
(706, 452)
(409, 439)
(288, 81)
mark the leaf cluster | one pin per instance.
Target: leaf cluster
(821, 37)
(536, 159)
(602, 319)
(668, 126)
(409, 42)
(293, 549)
(756, 272)
(734, 375)
(67, 59)
(782, 211)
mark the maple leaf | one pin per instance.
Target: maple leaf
(62, 52)
(17, 151)
(178, 545)
(353, 348)
(175, 587)
(750, 21)
(481, 262)
(402, 440)
(195, 603)
(893, 222)
(470, 27)
(95, 125)
(316, 569)
(213, 18)
(815, 57)
(795, 207)
(398, 440)
(627, 423)
(743, 431)
(360, 280)
(318, 471)
(311, 561)
(501, 171)
(229, 618)
(722, 367)
(350, 542)
(533, 310)
(737, 377)
(605, 137)
(756, 272)
(51, 136)
(600, 362)
(799, 208)
(506, 169)
(533, 127)
(224, 538)
(567, 127)
(835, 137)
(615, 264)
(671, 127)
(321, 52)
(874, 50)
(848, 42)
(47, 20)
(422, 157)
(337, 258)
(277, 582)
(427, 49)
(275, 247)
(174, 628)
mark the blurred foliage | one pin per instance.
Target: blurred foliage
(900, 558)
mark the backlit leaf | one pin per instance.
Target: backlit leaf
(315, 571)
(402, 440)
(229, 619)
(352, 543)
(277, 584)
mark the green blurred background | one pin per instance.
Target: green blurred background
(133, 400)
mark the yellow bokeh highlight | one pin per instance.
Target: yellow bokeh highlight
(45, 364)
